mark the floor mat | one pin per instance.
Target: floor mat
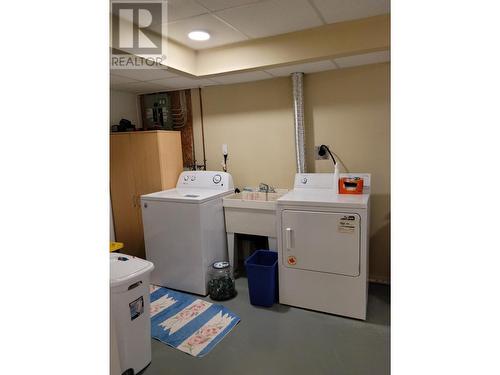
(187, 323)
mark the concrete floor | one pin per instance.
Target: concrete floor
(288, 340)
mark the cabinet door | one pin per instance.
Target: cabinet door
(146, 162)
(170, 153)
(146, 169)
(123, 197)
(321, 241)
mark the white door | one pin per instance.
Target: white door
(321, 241)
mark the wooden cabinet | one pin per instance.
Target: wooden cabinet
(140, 163)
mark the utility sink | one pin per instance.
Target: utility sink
(251, 213)
(254, 200)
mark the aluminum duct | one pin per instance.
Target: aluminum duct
(298, 108)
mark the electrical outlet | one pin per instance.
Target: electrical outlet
(317, 156)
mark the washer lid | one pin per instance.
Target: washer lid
(124, 267)
(185, 195)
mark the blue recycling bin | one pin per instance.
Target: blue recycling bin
(262, 273)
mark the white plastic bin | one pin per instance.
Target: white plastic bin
(129, 283)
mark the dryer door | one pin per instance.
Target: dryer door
(321, 241)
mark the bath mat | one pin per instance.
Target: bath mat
(187, 323)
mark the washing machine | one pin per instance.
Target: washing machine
(184, 230)
(323, 246)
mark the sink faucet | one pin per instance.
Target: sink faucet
(265, 188)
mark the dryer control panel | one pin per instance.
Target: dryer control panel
(325, 180)
(313, 181)
(205, 180)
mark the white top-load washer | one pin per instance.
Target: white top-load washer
(323, 247)
(184, 229)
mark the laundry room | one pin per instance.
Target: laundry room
(256, 185)
(279, 184)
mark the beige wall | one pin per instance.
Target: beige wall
(123, 105)
(347, 109)
(256, 122)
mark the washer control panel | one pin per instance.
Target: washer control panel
(206, 179)
(217, 179)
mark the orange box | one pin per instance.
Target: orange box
(350, 185)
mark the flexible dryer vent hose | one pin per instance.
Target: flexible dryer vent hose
(298, 107)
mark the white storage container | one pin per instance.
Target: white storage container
(129, 283)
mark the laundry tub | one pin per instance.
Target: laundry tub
(129, 284)
(251, 213)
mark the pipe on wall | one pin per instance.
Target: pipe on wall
(298, 108)
(202, 131)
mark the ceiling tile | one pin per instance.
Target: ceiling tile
(365, 59)
(138, 87)
(344, 10)
(220, 32)
(179, 9)
(116, 80)
(143, 74)
(241, 77)
(224, 4)
(312, 67)
(183, 83)
(271, 17)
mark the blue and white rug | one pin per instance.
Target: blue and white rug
(187, 323)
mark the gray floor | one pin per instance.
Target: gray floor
(288, 340)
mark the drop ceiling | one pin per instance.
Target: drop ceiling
(134, 80)
(230, 21)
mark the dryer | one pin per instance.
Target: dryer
(184, 230)
(323, 240)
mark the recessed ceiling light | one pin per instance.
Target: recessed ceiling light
(199, 35)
